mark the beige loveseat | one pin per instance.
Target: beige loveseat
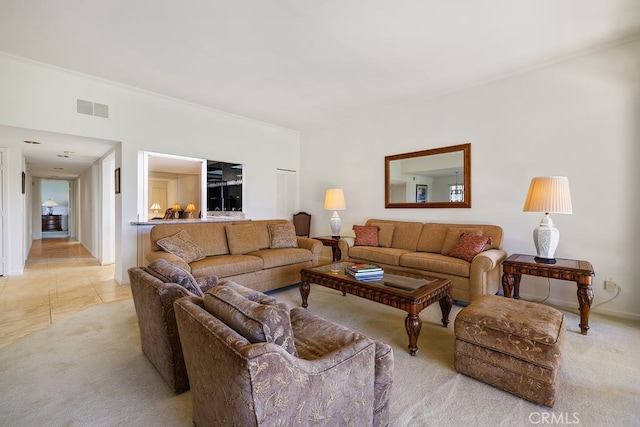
(424, 248)
(244, 252)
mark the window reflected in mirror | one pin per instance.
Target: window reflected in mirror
(224, 186)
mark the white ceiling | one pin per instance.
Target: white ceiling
(307, 64)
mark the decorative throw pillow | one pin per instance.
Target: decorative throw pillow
(248, 293)
(470, 245)
(182, 245)
(254, 321)
(453, 235)
(241, 238)
(282, 236)
(366, 235)
(385, 233)
(169, 273)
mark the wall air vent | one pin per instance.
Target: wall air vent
(92, 108)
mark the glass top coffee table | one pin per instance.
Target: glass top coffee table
(406, 291)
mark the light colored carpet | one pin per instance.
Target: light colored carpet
(89, 370)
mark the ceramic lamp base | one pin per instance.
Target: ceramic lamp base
(335, 223)
(546, 238)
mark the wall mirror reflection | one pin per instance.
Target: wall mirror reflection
(435, 178)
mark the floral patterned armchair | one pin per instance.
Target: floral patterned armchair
(277, 366)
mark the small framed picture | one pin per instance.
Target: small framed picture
(117, 180)
(421, 193)
(24, 183)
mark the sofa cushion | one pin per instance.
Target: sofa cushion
(436, 263)
(282, 236)
(286, 256)
(377, 255)
(469, 246)
(453, 235)
(226, 265)
(241, 239)
(169, 273)
(181, 244)
(366, 235)
(405, 233)
(254, 321)
(385, 233)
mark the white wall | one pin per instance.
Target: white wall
(40, 97)
(579, 118)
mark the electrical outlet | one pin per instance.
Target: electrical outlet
(609, 285)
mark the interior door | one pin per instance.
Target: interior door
(2, 217)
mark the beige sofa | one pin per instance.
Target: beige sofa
(240, 251)
(424, 248)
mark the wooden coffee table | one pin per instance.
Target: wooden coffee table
(409, 292)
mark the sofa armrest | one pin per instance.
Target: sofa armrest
(488, 260)
(486, 268)
(315, 246)
(173, 259)
(344, 244)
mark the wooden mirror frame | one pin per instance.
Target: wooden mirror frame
(466, 203)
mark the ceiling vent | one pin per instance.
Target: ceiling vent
(92, 108)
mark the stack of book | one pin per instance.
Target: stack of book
(366, 272)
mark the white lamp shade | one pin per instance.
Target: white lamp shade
(49, 203)
(549, 194)
(155, 207)
(334, 200)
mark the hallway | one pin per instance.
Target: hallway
(60, 278)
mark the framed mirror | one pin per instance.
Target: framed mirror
(436, 178)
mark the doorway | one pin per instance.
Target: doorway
(55, 208)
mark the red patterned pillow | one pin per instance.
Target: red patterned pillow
(469, 246)
(366, 235)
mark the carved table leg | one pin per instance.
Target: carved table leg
(336, 252)
(446, 303)
(511, 285)
(305, 288)
(413, 323)
(585, 298)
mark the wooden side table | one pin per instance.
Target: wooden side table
(572, 270)
(333, 242)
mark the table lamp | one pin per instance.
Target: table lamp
(190, 209)
(176, 210)
(49, 204)
(155, 208)
(334, 201)
(547, 194)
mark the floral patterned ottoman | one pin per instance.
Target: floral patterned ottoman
(511, 344)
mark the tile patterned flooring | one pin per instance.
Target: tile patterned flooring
(60, 278)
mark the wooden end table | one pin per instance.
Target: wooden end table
(333, 242)
(572, 270)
